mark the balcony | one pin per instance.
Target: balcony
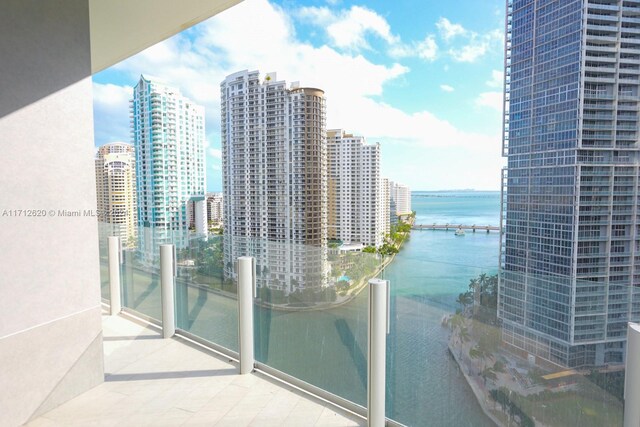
(311, 321)
(324, 350)
(151, 381)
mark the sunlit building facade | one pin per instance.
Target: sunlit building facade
(401, 196)
(168, 133)
(215, 207)
(355, 200)
(116, 190)
(385, 205)
(274, 173)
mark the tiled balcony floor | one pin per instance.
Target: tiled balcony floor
(151, 381)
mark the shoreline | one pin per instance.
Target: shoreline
(481, 397)
(352, 292)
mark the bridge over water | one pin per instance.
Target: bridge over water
(447, 227)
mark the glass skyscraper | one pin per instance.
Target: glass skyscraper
(571, 245)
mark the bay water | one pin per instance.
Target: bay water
(431, 270)
(425, 386)
(327, 348)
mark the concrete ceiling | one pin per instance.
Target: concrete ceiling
(122, 28)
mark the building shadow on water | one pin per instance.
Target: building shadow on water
(143, 296)
(262, 326)
(349, 341)
(197, 306)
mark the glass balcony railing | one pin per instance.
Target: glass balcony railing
(140, 281)
(104, 230)
(206, 302)
(460, 349)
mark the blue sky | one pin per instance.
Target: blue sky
(423, 78)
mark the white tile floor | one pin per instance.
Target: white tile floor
(151, 381)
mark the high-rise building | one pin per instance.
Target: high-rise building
(401, 196)
(197, 213)
(215, 207)
(116, 190)
(168, 133)
(393, 215)
(571, 249)
(274, 172)
(355, 213)
(385, 204)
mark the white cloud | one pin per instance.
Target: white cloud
(426, 49)
(497, 79)
(447, 88)
(490, 99)
(470, 52)
(199, 60)
(320, 16)
(448, 30)
(467, 45)
(215, 153)
(348, 28)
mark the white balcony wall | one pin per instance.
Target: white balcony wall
(50, 330)
(50, 327)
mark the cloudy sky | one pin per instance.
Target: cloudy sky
(422, 77)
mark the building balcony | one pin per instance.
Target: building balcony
(299, 346)
(599, 79)
(155, 381)
(312, 314)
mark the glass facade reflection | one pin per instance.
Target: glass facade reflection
(567, 285)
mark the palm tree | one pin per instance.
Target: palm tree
(464, 299)
(477, 353)
(464, 334)
(488, 373)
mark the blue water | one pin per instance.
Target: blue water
(328, 348)
(433, 267)
(425, 387)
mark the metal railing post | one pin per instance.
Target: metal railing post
(167, 279)
(632, 377)
(114, 275)
(378, 329)
(246, 293)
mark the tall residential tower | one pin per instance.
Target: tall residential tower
(116, 190)
(570, 277)
(168, 133)
(401, 196)
(274, 174)
(355, 211)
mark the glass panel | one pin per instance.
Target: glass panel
(317, 330)
(206, 304)
(453, 361)
(104, 231)
(141, 280)
(424, 382)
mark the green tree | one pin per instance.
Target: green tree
(387, 250)
(464, 299)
